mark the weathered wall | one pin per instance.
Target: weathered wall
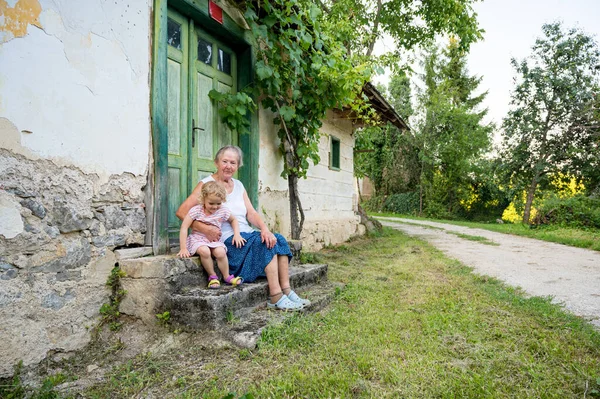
(328, 196)
(74, 151)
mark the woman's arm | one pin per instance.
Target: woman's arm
(211, 232)
(183, 232)
(254, 218)
(237, 240)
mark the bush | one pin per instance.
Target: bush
(577, 211)
(373, 204)
(405, 203)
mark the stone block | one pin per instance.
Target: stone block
(132, 253)
(70, 217)
(144, 298)
(164, 267)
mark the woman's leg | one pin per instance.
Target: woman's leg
(221, 257)
(283, 267)
(272, 273)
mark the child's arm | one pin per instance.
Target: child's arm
(183, 232)
(237, 240)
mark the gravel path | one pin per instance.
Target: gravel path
(570, 275)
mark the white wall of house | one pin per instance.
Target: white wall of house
(77, 79)
(328, 196)
(74, 154)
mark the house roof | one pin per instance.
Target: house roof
(383, 108)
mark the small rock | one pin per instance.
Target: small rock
(499, 221)
(246, 339)
(91, 368)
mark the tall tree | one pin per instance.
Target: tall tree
(309, 61)
(401, 94)
(451, 135)
(550, 127)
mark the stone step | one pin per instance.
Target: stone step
(199, 308)
(245, 330)
(167, 283)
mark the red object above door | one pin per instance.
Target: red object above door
(215, 12)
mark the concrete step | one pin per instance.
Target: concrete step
(166, 283)
(245, 330)
(199, 308)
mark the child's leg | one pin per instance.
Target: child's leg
(222, 262)
(206, 259)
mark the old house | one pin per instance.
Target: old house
(105, 127)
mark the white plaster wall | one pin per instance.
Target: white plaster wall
(328, 196)
(79, 82)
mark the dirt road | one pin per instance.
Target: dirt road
(570, 275)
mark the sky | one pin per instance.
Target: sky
(511, 28)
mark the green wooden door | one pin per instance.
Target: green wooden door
(197, 63)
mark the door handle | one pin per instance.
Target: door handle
(194, 128)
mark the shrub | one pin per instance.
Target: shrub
(577, 211)
(404, 203)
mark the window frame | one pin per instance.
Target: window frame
(332, 140)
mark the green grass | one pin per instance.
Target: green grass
(480, 239)
(588, 239)
(410, 323)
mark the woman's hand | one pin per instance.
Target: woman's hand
(238, 241)
(268, 238)
(213, 233)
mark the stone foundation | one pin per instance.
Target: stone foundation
(59, 228)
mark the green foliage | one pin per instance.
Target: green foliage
(410, 24)
(404, 204)
(552, 125)
(13, 388)
(110, 310)
(388, 157)
(309, 62)
(309, 258)
(451, 136)
(578, 211)
(164, 319)
(400, 93)
(235, 109)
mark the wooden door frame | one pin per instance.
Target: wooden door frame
(240, 41)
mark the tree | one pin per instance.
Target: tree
(451, 135)
(309, 61)
(550, 128)
(400, 93)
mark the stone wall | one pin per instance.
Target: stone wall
(58, 229)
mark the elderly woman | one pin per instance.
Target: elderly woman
(265, 254)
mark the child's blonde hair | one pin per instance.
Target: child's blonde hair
(212, 188)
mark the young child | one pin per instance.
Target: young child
(211, 212)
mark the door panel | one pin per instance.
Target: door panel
(177, 105)
(197, 63)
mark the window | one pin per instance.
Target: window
(174, 34)
(334, 155)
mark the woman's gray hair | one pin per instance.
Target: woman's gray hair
(233, 148)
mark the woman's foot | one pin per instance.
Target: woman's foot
(295, 298)
(283, 303)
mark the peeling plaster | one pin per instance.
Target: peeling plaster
(17, 18)
(10, 138)
(11, 224)
(80, 83)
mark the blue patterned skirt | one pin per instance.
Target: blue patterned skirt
(249, 261)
